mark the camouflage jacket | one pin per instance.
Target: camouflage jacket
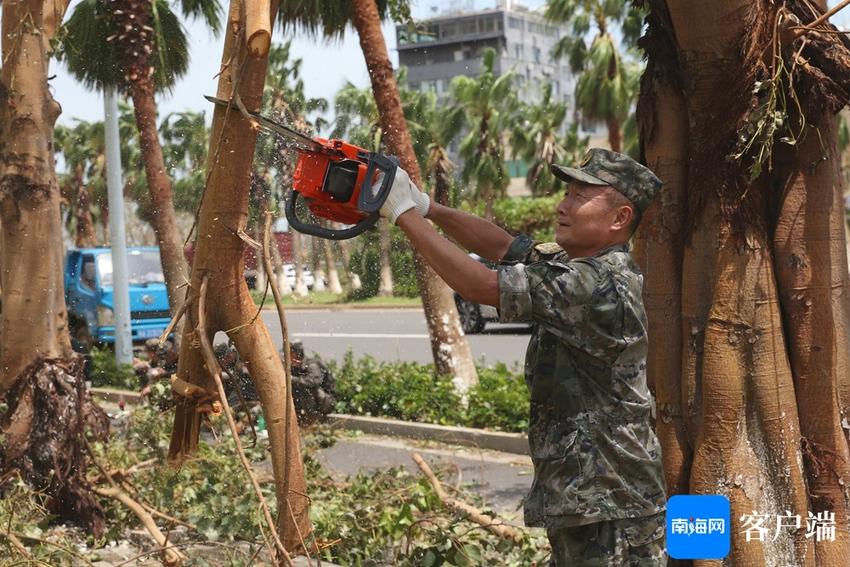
(595, 454)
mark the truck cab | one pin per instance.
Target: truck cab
(89, 295)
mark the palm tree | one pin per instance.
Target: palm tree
(488, 103)
(139, 47)
(74, 143)
(536, 140)
(607, 84)
(432, 131)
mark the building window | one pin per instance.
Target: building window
(448, 30)
(487, 25)
(519, 52)
(469, 28)
(536, 51)
(515, 23)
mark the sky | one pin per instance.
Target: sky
(325, 68)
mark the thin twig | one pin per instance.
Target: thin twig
(287, 359)
(16, 543)
(822, 19)
(174, 320)
(59, 547)
(213, 368)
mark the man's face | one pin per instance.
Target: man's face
(585, 218)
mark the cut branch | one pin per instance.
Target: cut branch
(258, 28)
(470, 512)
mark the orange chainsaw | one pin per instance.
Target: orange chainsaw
(338, 181)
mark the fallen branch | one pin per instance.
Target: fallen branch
(16, 543)
(213, 368)
(469, 512)
(174, 320)
(172, 555)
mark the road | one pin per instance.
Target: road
(390, 334)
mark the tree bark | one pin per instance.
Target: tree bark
(300, 289)
(34, 319)
(333, 274)
(452, 355)
(385, 286)
(615, 135)
(318, 269)
(163, 219)
(218, 255)
(755, 408)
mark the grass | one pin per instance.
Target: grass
(328, 298)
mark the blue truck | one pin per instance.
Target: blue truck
(89, 295)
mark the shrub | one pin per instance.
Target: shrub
(105, 371)
(412, 392)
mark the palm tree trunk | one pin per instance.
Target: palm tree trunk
(385, 286)
(164, 222)
(318, 269)
(219, 257)
(34, 319)
(333, 274)
(615, 134)
(280, 273)
(450, 349)
(85, 236)
(345, 251)
(300, 289)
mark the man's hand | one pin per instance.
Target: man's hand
(422, 200)
(400, 199)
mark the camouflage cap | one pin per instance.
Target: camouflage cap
(604, 167)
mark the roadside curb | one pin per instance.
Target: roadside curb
(343, 307)
(516, 443)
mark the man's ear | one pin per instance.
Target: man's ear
(624, 217)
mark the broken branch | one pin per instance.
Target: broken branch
(470, 512)
(258, 28)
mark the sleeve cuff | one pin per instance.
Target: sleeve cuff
(514, 294)
(518, 249)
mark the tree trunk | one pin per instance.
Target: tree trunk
(755, 407)
(615, 134)
(385, 286)
(333, 274)
(452, 355)
(218, 255)
(345, 251)
(34, 319)
(163, 219)
(280, 272)
(300, 289)
(316, 254)
(85, 236)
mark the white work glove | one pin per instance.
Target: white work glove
(422, 200)
(400, 199)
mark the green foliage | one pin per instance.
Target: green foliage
(534, 216)
(389, 517)
(498, 401)
(105, 371)
(412, 392)
(404, 390)
(85, 44)
(366, 261)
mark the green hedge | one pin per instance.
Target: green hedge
(412, 392)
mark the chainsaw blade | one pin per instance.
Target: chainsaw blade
(298, 139)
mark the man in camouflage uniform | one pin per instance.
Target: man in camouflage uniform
(598, 484)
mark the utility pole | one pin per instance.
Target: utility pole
(117, 234)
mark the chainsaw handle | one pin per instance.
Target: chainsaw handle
(322, 232)
(368, 203)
